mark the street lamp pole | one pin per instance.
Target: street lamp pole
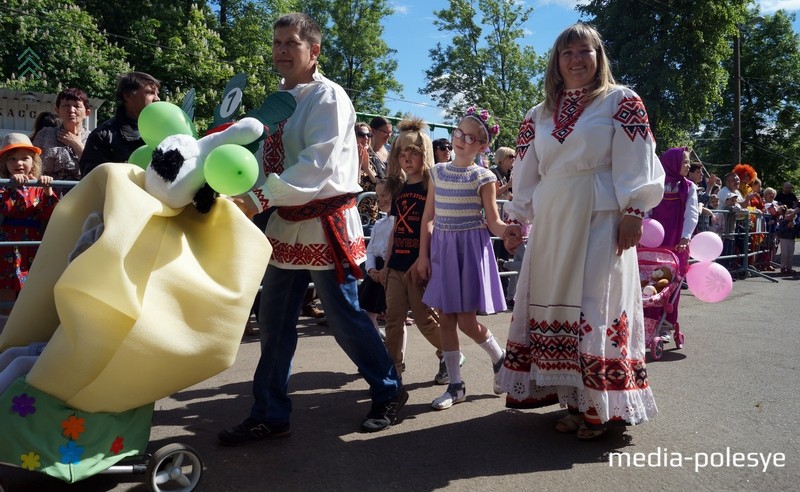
(737, 99)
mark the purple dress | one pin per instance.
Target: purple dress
(464, 275)
(670, 213)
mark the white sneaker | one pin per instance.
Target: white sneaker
(456, 393)
(498, 389)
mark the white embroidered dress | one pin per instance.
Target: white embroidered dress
(315, 157)
(577, 333)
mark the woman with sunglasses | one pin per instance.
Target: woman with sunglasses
(368, 206)
(441, 150)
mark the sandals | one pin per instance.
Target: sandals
(569, 423)
(591, 432)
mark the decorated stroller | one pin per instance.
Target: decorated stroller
(138, 291)
(658, 330)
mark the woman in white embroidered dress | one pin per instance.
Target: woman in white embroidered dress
(577, 335)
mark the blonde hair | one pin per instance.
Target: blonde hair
(413, 136)
(501, 153)
(554, 83)
(36, 169)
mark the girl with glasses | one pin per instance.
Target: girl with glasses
(456, 254)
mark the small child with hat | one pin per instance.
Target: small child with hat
(24, 210)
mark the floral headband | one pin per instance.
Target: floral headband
(489, 125)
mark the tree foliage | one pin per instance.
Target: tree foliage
(490, 70)
(770, 103)
(190, 44)
(671, 54)
(355, 51)
(72, 51)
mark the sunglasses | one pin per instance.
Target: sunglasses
(445, 147)
(468, 138)
(360, 134)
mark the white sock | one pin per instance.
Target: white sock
(492, 348)
(452, 361)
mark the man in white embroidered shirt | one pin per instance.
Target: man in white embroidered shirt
(311, 167)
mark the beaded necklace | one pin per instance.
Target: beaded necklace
(564, 119)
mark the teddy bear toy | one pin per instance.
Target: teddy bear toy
(659, 280)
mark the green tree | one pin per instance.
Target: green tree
(186, 55)
(72, 50)
(355, 55)
(247, 37)
(671, 54)
(770, 103)
(492, 71)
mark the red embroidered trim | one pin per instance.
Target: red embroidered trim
(334, 225)
(618, 333)
(564, 119)
(634, 211)
(527, 132)
(312, 254)
(604, 374)
(633, 118)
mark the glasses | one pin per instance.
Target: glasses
(445, 147)
(360, 134)
(468, 138)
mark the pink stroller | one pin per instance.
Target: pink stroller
(656, 307)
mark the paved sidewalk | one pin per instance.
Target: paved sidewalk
(732, 389)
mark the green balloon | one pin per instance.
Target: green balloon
(231, 169)
(161, 119)
(142, 156)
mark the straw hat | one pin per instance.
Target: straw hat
(17, 141)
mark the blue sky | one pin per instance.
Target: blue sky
(411, 32)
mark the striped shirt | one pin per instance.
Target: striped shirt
(458, 205)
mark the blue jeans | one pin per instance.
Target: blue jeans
(281, 301)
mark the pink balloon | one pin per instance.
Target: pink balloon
(709, 282)
(652, 233)
(706, 246)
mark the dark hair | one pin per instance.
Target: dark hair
(309, 29)
(694, 167)
(44, 119)
(132, 82)
(378, 122)
(441, 144)
(73, 94)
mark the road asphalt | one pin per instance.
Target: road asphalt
(728, 418)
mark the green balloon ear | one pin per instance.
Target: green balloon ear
(141, 156)
(230, 169)
(161, 119)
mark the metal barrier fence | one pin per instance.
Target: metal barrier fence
(749, 242)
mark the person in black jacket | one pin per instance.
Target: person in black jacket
(117, 138)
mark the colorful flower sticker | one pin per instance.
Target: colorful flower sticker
(30, 461)
(71, 453)
(23, 405)
(73, 427)
(117, 445)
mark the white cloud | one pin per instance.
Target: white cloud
(401, 9)
(769, 6)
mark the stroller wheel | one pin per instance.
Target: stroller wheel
(657, 348)
(175, 467)
(679, 340)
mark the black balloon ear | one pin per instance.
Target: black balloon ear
(167, 164)
(204, 198)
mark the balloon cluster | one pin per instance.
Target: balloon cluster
(229, 169)
(708, 281)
